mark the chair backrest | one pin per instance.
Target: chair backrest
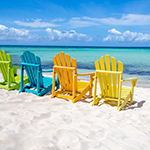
(32, 66)
(4, 64)
(66, 66)
(109, 73)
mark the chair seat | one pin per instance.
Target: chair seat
(81, 85)
(125, 92)
(47, 81)
(17, 78)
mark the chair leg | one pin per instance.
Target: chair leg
(90, 93)
(80, 95)
(57, 84)
(95, 100)
(53, 87)
(131, 99)
(21, 83)
(91, 85)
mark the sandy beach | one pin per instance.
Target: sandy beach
(29, 122)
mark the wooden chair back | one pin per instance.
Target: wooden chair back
(109, 73)
(32, 67)
(5, 65)
(65, 68)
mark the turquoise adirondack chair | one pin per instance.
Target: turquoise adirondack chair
(39, 85)
(11, 81)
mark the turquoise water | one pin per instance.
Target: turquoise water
(136, 60)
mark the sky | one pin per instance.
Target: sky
(75, 22)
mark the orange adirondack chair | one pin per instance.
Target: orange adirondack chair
(70, 87)
(110, 80)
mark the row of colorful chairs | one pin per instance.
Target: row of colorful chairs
(65, 83)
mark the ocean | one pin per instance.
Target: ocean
(136, 60)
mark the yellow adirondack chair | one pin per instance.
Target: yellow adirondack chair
(110, 79)
(9, 73)
(70, 87)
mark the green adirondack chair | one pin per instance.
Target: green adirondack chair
(11, 81)
(39, 85)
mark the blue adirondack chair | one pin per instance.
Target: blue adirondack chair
(38, 85)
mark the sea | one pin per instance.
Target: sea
(136, 60)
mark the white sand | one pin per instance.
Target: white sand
(29, 122)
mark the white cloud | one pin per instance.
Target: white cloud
(114, 31)
(128, 36)
(14, 34)
(35, 24)
(128, 19)
(23, 35)
(69, 35)
(80, 22)
(58, 20)
(2, 27)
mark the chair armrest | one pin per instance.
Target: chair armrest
(130, 79)
(47, 70)
(86, 74)
(134, 80)
(16, 67)
(29, 64)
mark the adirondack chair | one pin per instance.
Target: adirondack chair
(66, 70)
(110, 79)
(9, 72)
(38, 85)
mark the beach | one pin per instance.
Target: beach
(29, 122)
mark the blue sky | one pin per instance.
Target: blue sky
(75, 22)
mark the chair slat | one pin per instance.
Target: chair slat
(40, 70)
(30, 58)
(120, 68)
(61, 71)
(26, 58)
(3, 67)
(12, 78)
(107, 58)
(27, 68)
(114, 65)
(97, 67)
(102, 64)
(74, 64)
(66, 75)
(69, 71)
(35, 60)
(58, 72)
